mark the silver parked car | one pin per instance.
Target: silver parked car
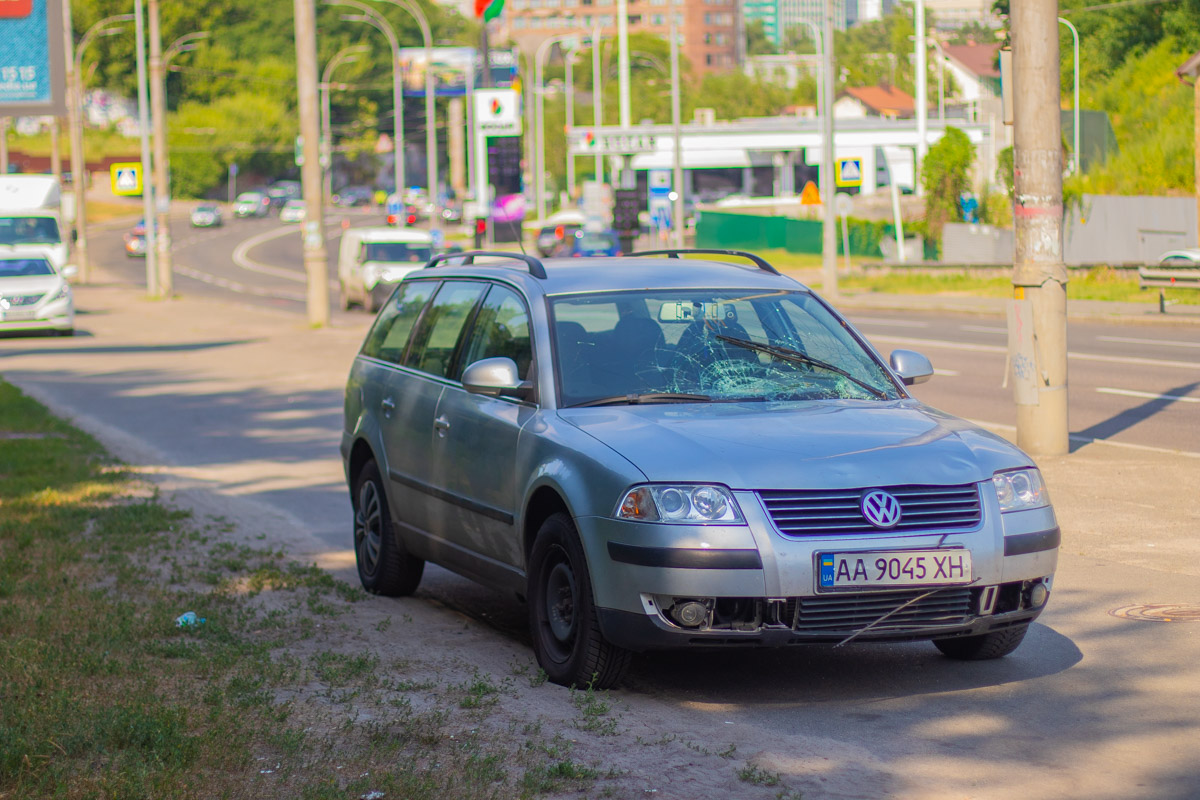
(673, 453)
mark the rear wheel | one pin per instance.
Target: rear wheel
(986, 646)
(370, 301)
(347, 302)
(384, 565)
(562, 612)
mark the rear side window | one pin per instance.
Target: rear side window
(501, 329)
(389, 336)
(436, 339)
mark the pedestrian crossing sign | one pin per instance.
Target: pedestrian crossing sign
(126, 178)
(848, 172)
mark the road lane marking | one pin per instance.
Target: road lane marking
(948, 373)
(240, 288)
(895, 323)
(1164, 342)
(242, 258)
(992, 348)
(983, 329)
(1148, 395)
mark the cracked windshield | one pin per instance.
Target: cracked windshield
(700, 345)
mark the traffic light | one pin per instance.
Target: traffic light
(627, 205)
(480, 231)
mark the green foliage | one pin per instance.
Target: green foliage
(757, 43)
(945, 174)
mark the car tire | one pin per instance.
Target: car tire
(566, 632)
(65, 332)
(370, 302)
(347, 302)
(996, 644)
(384, 565)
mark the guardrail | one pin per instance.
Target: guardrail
(1164, 278)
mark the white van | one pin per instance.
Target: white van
(372, 260)
(30, 217)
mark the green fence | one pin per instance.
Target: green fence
(721, 229)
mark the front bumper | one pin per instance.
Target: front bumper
(760, 587)
(57, 315)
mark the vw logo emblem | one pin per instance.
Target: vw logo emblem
(880, 509)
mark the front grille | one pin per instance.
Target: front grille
(849, 612)
(818, 512)
(15, 300)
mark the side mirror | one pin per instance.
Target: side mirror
(495, 377)
(912, 367)
(69, 271)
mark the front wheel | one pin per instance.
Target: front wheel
(384, 565)
(562, 612)
(996, 644)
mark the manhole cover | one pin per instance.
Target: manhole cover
(1159, 612)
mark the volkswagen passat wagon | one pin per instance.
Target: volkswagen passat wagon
(680, 453)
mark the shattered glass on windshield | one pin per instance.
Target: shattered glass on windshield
(703, 345)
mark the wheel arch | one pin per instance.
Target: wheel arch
(360, 454)
(545, 502)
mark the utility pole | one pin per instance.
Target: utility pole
(922, 99)
(315, 266)
(75, 134)
(1038, 314)
(148, 219)
(162, 191)
(828, 193)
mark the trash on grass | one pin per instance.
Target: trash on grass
(188, 620)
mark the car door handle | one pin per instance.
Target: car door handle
(441, 425)
(389, 405)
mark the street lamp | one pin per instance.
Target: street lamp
(105, 27)
(677, 147)
(597, 97)
(343, 56)
(376, 20)
(539, 90)
(431, 149)
(1075, 138)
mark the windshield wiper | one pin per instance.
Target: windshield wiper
(796, 357)
(649, 397)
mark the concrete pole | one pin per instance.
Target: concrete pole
(623, 61)
(162, 191)
(1039, 275)
(570, 123)
(922, 98)
(55, 151)
(152, 287)
(829, 224)
(310, 171)
(1075, 167)
(539, 152)
(598, 99)
(75, 133)
(455, 145)
(677, 221)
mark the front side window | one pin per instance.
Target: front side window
(501, 330)
(436, 339)
(711, 345)
(389, 335)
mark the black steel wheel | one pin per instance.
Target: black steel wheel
(384, 565)
(996, 644)
(562, 614)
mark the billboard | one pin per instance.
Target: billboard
(451, 65)
(32, 65)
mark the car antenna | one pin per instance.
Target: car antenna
(516, 232)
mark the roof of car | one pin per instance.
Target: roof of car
(620, 273)
(388, 234)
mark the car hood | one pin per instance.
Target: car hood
(29, 284)
(822, 444)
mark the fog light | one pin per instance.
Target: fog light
(1038, 593)
(690, 613)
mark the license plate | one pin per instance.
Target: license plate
(864, 570)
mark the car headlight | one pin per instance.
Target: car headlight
(1020, 489)
(687, 504)
(63, 291)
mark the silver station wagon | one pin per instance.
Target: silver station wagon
(680, 452)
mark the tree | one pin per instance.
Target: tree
(945, 174)
(757, 43)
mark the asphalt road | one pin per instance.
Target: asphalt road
(1092, 706)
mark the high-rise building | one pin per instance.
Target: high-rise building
(709, 28)
(778, 16)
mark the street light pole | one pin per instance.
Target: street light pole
(343, 56)
(376, 20)
(104, 27)
(677, 147)
(828, 226)
(922, 98)
(570, 121)
(597, 98)
(1075, 131)
(148, 219)
(316, 267)
(539, 90)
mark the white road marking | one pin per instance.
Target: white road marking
(240, 288)
(1164, 342)
(1148, 395)
(242, 259)
(991, 348)
(895, 323)
(949, 373)
(983, 329)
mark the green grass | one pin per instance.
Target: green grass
(102, 695)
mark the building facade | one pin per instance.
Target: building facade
(779, 16)
(709, 28)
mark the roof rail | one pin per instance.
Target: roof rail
(675, 252)
(536, 269)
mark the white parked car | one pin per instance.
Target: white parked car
(34, 296)
(292, 211)
(251, 204)
(371, 261)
